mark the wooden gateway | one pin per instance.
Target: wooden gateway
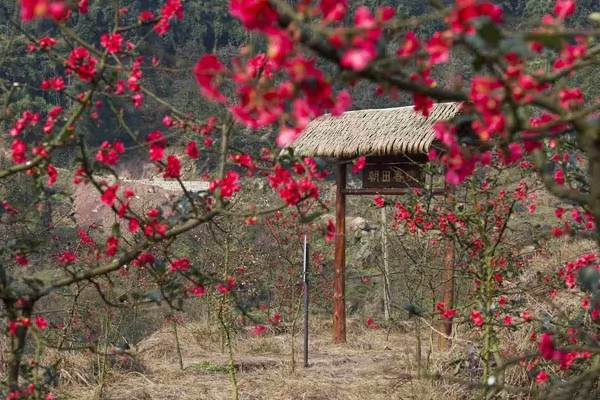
(395, 143)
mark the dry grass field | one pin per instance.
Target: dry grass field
(373, 365)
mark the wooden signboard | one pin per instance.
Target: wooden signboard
(391, 172)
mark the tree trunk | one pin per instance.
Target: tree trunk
(17, 342)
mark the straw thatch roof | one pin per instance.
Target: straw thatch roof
(384, 131)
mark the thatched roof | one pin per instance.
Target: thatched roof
(373, 132)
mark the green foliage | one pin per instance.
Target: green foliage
(209, 367)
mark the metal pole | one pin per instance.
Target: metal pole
(339, 273)
(387, 298)
(306, 302)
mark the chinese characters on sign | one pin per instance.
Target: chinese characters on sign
(393, 172)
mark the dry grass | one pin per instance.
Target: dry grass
(380, 131)
(373, 365)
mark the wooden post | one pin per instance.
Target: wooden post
(445, 327)
(339, 275)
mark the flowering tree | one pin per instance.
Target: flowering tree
(277, 83)
(286, 232)
(96, 85)
(486, 224)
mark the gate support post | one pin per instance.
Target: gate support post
(339, 276)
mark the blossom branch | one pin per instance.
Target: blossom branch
(287, 18)
(562, 192)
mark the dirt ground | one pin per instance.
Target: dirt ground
(372, 365)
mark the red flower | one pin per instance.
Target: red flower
(82, 64)
(153, 213)
(546, 346)
(259, 330)
(275, 319)
(198, 290)
(541, 377)
(438, 48)
(110, 195)
(181, 264)
(112, 246)
(52, 174)
(145, 15)
(466, 11)
(287, 136)
(229, 185)
(47, 42)
(358, 58)
(205, 71)
(12, 327)
(31, 9)
(157, 145)
(379, 201)
(330, 231)
(154, 227)
(18, 151)
(56, 83)
(109, 153)
(137, 99)
(172, 9)
(112, 42)
(342, 103)
(173, 169)
(243, 160)
(333, 10)
(371, 323)
(133, 225)
(254, 14)
(359, 165)
(476, 318)
(83, 6)
(66, 258)
(21, 259)
(41, 323)
(564, 8)
(410, 45)
(526, 316)
(226, 288)
(192, 150)
(161, 27)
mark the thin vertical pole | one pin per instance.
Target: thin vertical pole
(306, 301)
(387, 298)
(448, 278)
(339, 273)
